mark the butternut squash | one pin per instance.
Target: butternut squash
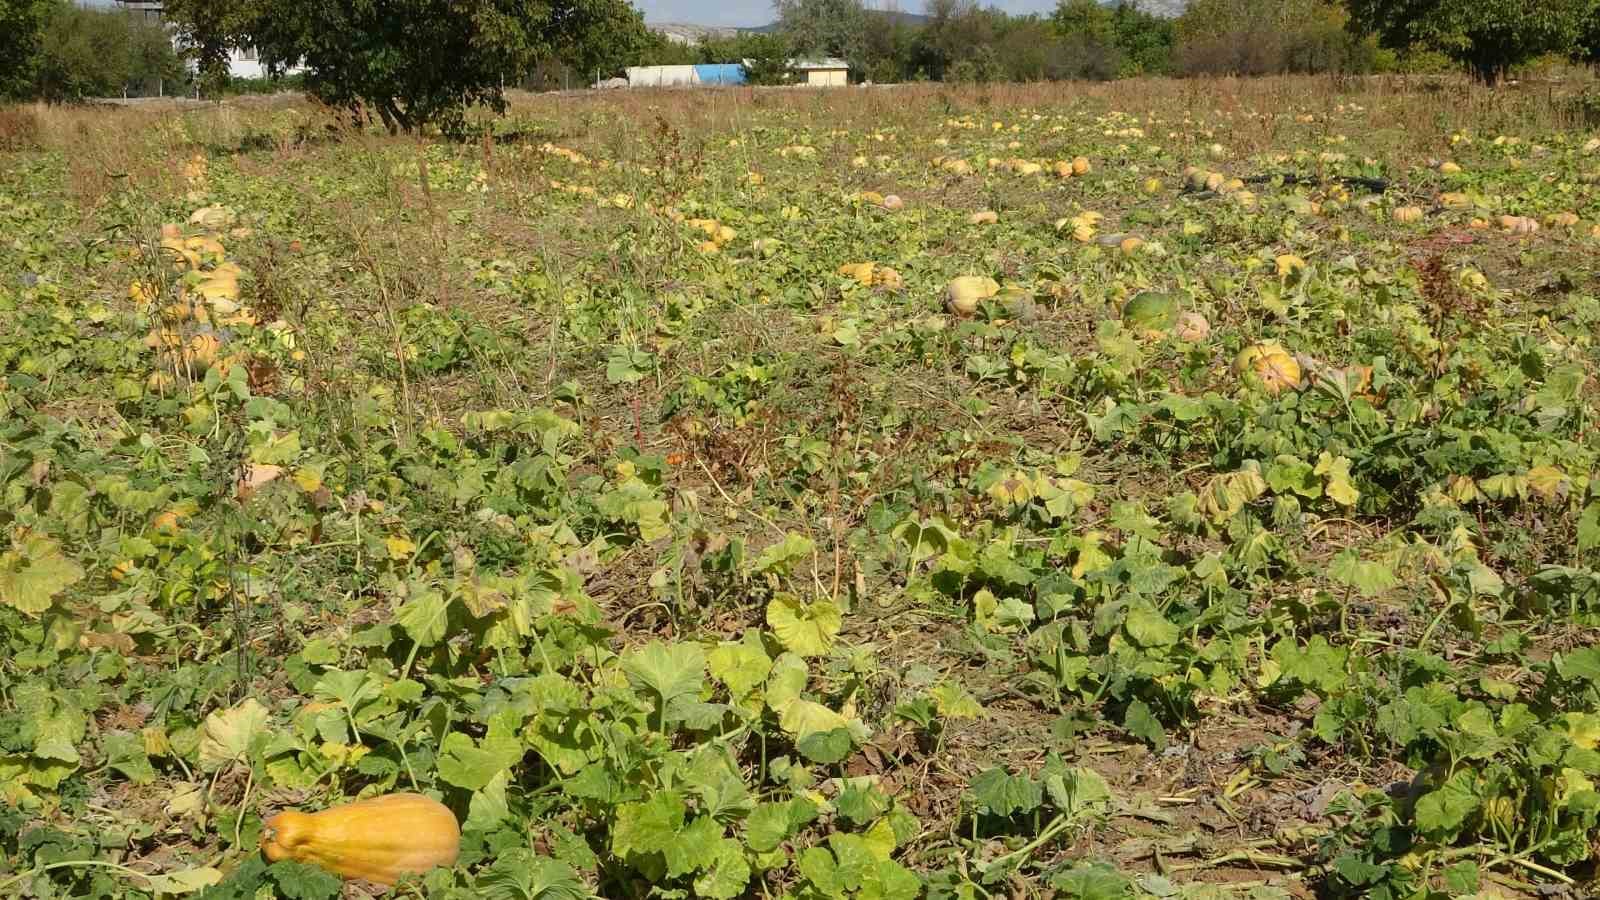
(379, 839)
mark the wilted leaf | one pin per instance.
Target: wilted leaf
(227, 733)
(33, 572)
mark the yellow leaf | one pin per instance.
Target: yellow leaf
(1583, 729)
(808, 629)
(880, 839)
(1547, 481)
(399, 546)
(801, 718)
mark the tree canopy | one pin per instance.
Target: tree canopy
(413, 62)
(824, 27)
(22, 24)
(1486, 36)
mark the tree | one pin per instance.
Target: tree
(886, 46)
(824, 27)
(1488, 37)
(22, 24)
(1587, 48)
(414, 62)
(1145, 40)
(1084, 19)
(766, 59)
(97, 53)
(207, 30)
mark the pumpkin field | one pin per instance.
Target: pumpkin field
(1177, 489)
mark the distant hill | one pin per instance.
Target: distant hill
(912, 20)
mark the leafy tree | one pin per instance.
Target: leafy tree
(207, 30)
(766, 58)
(823, 27)
(97, 53)
(414, 62)
(22, 24)
(1087, 32)
(887, 46)
(1488, 37)
(1144, 40)
(1587, 48)
(1086, 19)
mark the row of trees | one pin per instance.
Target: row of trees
(412, 62)
(405, 62)
(959, 40)
(57, 50)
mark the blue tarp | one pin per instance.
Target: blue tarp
(720, 73)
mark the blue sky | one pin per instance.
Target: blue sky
(759, 12)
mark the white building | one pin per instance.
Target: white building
(243, 62)
(827, 72)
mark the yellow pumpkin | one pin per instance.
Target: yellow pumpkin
(1519, 224)
(887, 279)
(1192, 327)
(858, 272)
(380, 839)
(962, 295)
(1268, 361)
(1408, 214)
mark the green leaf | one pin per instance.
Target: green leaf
(1461, 878)
(227, 734)
(472, 765)
(1091, 881)
(1142, 724)
(1149, 628)
(770, 824)
(1079, 792)
(517, 874)
(1440, 813)
(489, 806)
(742, 665)
(424, 615)
(186, 881)
(649, 826)
(825, 747)
(726, 875)
(666, 670)
(808, 629)
(1582, 664)
(1369, 578)
(627, 366)
(1290, 474)
(1589, 528)
(299, 881)
(1320, 665)
(1002, 794)
(691, 849)
(33, 572)
(781, 557)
